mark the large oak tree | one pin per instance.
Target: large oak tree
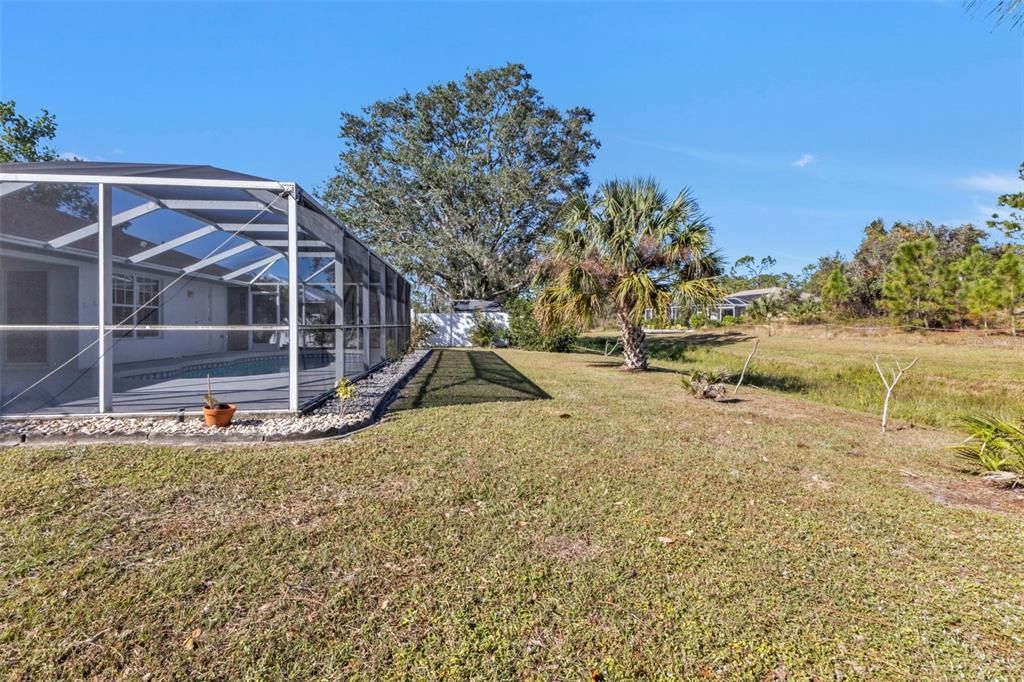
(457, 184)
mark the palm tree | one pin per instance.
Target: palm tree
(631, 250)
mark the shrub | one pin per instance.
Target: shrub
(707, 385)
(421, 331)
(525, 332)
(805, 312)
(485, 331)
(995, 446)
(658, 322)
(698, 320)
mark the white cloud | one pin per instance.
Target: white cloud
(695, 153)
(990, 182)
(72, 156)
(804, 161)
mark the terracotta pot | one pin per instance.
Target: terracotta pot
(219, 416)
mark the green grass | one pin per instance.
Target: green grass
(516, 539)
(460, 377)
(953, 377)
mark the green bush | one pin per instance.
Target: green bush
(698, 320)
(525, 332)
(805, 312)
(485, 331)
(420, 332)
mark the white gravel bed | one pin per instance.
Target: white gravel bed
(371, 390)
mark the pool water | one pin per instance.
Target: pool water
(242, 367)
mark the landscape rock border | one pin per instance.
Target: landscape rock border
(374, 392)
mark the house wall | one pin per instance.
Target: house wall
(72, 299)
(186, 303)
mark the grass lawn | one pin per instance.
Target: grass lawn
(616, 528)
(955, 375)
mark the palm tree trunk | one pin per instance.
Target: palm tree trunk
(634, 343)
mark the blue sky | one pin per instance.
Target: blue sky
(794, 124)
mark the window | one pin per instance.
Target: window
(136, 302)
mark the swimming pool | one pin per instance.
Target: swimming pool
(242, 367)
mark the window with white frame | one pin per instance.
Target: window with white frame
(136, 303)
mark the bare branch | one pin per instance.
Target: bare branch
(890, 386)
(743, 373)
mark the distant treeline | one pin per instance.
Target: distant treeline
(915, 274)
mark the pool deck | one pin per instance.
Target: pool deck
(252, 392)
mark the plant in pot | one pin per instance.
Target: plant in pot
(215, 412)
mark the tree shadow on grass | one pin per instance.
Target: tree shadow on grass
(784, 383)
(668, 347)
(465, 377)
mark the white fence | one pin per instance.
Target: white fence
(453, 328)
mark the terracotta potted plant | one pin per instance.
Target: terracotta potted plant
(215, 412)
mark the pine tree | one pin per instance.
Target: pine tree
(978, 292)
(918, 286)
(1009, 277)
(836, 290)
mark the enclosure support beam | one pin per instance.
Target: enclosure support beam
(365, 292)
(105, 299)
(293, 303)
(90, 230)
(173, 243)
(339, 311)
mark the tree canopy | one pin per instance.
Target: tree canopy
(631, 249)
(22, 138)
(457, 184)
(1012, 223)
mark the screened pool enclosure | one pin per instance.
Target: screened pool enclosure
(129, 287)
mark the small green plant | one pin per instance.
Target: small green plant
(344, 391)
(485, 331)
(995, 446)
(706, 385)
(391, 351)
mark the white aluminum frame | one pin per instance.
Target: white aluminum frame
(264, 192)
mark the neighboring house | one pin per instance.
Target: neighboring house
(735, 304)
(475, 305)
(732, 305)
(199, 265)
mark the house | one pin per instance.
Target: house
(132, 287)
(732, 305)
(475, 305)
(735, 304)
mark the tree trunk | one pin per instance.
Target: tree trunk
(634, 343)
(1013, 307)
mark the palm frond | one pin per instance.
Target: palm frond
(630, 246)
